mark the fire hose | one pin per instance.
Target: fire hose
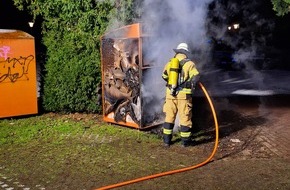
(182, 169)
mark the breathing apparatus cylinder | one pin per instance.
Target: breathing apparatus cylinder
(173, 75)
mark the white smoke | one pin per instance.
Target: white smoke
(169, 23)
(255, 27)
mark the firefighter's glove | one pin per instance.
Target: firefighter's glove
(194, 82)
(173, 92)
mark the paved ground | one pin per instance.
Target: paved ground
(270, 90)
(274, 132)
(275, 135)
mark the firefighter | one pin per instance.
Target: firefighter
(181, 76)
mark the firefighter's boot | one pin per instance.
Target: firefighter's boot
(167, 133)
(185, 133)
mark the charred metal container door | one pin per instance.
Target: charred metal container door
(123, 72)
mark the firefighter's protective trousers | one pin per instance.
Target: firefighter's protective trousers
(182, 107)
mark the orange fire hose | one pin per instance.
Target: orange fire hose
(182, 169)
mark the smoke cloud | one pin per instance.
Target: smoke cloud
(249, 44)
(195, 22)
(255, 27)
(169, 23)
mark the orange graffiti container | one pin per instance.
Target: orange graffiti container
(18, 82)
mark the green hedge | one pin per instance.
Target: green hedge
(282, 7)
(71, 32)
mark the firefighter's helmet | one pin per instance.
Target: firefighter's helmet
(182, 46)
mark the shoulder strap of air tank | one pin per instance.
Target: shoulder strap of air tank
(183, 61)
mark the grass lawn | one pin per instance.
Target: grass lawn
(55, 151)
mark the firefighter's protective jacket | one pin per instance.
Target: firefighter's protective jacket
(187, 75)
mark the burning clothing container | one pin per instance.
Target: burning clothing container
(18, 86)
(127, 79)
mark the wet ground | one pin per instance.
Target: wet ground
(258, 122)
(222, 83)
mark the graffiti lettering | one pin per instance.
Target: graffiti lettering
(15, 69)
(4, 50)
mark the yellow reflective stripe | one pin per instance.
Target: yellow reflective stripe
(183, 90)
(167, 131)
(193, 72)
(185, 134)
(165, 76)
(186, 90)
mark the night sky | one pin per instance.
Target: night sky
(12, 18)
(282, 31)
